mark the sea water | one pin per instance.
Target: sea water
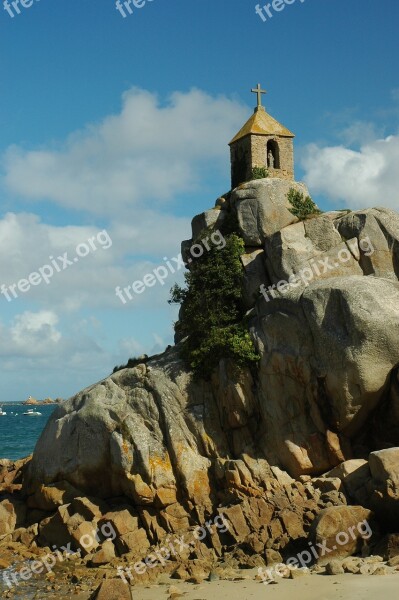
(19, 433)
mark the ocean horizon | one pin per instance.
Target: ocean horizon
(19, 433)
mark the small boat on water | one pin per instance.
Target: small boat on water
(32, 412)
(2, 413)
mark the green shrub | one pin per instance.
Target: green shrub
(131, 363)
(302, 207)
(259, 173)
(212, 313)
(232, 342)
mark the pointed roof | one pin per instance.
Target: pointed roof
(261, 123)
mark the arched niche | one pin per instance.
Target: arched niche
(273, 154)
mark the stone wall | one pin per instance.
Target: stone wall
(240, 158)
(251, 151)
(286, 151)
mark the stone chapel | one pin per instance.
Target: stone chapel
(261, 142)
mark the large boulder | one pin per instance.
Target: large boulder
(262, 208)
(112, 589)
(340, 531)
(129, 436)
(384, 486)
(212, 218)
(293, 246)
(8, 518)
(377, 230)
(354, 474)
(326, 359)
(310, 250)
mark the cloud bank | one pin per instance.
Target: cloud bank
(149, 151)
(355, 178)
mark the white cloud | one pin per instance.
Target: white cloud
(27, 244)
(33, 340)
(31, 334)
(147, 152)
(358, 178)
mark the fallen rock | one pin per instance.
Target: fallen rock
(12, 515)
(327, 484)
(384, 485)
(112, 589)
(50, 497)
(8, 518)
(104, 555)
(135, 541)
(352, 565)
(341, 531)
(354, 474)
(122, 521)
(334, 567)
(388, 546)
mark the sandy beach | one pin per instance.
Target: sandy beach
(314, 587)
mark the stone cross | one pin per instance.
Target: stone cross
(258, 91)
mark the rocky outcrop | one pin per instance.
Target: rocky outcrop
(11, 474)
(152, 451)
(262, 208)
(381, 226)
(32, 401)
(321, 376)
(328, 347)
(340, 531)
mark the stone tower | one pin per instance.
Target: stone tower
(262, 142)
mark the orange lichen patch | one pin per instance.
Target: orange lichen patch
(261, 123)
(199, 488)
(125, 447)
(161, 463)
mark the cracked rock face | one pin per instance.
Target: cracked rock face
(262, 208)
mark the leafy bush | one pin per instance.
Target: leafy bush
(259, 173)
(131, 363)
(302, 207)
(232, 342)
(212, 313)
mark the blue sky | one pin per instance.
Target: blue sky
(122, 124)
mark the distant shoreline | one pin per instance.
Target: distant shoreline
(26, 403)
(30, 403)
